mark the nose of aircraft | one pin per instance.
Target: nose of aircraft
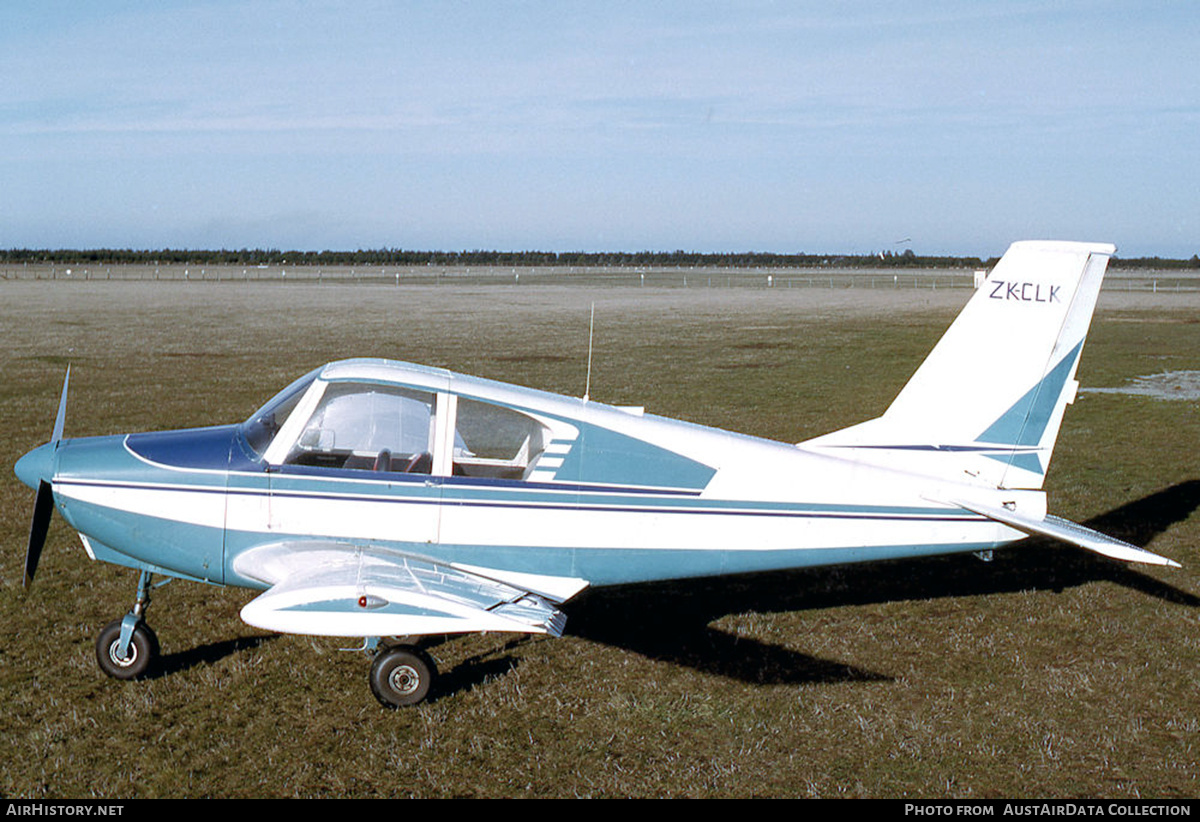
(36, 466)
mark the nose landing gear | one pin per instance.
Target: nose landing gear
(127, 647)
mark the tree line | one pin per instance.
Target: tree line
(600, 259)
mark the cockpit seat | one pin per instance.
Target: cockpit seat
(420, 464)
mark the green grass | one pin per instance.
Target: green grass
(1046, 673)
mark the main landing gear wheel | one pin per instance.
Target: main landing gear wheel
(402, 676)
(142, 652)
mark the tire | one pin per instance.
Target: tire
(143, 651)
(402, 676)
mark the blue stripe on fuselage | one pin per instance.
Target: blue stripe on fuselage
(416, 489)
(422, 489)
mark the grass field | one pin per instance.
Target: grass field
(1046, 673)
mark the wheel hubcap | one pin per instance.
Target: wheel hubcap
(404, 679)
(113, 654)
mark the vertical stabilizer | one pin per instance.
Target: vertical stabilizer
(989, 399)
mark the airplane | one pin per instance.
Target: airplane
(396, 502)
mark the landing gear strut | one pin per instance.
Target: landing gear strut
(126, 648)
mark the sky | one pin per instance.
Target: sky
(844, 127)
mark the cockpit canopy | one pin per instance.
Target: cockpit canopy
(368, 425)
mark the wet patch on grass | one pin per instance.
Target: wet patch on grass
(1169, 385)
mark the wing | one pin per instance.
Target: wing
(1072, 532)
(341, 589)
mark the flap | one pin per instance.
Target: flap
(341, 589)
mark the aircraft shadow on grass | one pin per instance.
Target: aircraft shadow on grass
(466, 675)
(479, 668)
(671, 621)
(206, 654)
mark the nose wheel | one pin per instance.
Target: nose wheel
(127, 647)
(140, 651)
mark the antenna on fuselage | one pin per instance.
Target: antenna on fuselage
(587, 388)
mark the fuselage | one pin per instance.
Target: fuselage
(604, 494)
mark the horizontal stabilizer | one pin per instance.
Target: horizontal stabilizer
(1071, 532)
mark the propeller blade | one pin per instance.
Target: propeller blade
(43, 507)
(61, 417)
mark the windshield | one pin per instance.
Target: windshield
(265, 423)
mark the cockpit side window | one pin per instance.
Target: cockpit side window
(369, 427)
(493, 441)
